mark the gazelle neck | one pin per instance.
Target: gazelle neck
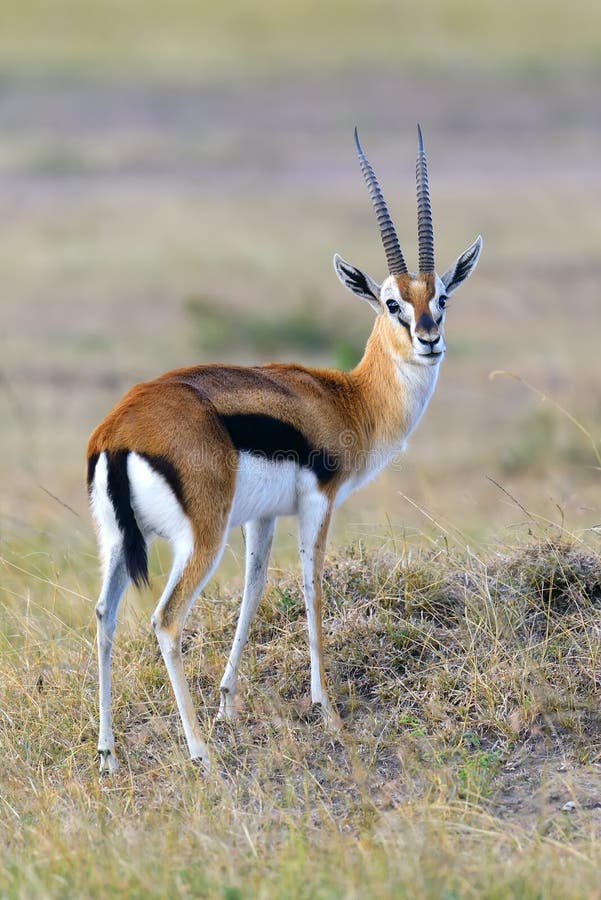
(394, 389)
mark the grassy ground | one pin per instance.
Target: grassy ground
(174, 179)
(468, 765)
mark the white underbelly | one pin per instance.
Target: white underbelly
(264, 489)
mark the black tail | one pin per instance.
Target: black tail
(134, 544)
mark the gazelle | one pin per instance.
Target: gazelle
(200, 450)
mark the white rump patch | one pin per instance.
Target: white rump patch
(109, 533)
(157, 509)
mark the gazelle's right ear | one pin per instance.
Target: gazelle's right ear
(357, 282)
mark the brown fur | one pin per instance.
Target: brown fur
(165, 419)
(418, 291)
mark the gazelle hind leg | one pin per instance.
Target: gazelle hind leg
(315, 512)
(187, 578)
(114, 584)
(259, 538)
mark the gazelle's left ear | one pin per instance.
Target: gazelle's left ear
(463, 267)
(358, 282)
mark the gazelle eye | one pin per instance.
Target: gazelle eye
(442, 302)
(393, 306)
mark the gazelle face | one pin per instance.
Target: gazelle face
(414, 306)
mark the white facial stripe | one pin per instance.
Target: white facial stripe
(435, 310)
(407, 313)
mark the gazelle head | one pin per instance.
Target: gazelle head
(413, 303)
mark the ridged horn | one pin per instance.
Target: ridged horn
(425, 231)
(392, 248)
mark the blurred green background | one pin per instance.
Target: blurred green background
(175, 177)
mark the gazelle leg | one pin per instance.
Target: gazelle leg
(314, 516)
(187, 578)
(259, 537)
(114, 584)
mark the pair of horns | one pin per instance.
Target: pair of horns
(425, 231)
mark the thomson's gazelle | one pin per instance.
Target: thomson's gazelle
(200, 450)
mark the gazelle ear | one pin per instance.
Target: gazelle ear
(357, 282)
(463, 267)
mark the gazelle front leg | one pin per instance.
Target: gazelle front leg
(315, 511)
(259, 538)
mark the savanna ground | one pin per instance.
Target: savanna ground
(174, 179)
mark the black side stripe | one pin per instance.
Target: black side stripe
(92, 461)
(134, 544)
(276, 440)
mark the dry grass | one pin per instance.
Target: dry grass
(468, 765)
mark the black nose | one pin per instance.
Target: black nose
(426, 326)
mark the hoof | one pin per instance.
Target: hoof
(227, 709)
(330, 717)
(108, 762)
(203, 760)
(199, 753)
(225, 714)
